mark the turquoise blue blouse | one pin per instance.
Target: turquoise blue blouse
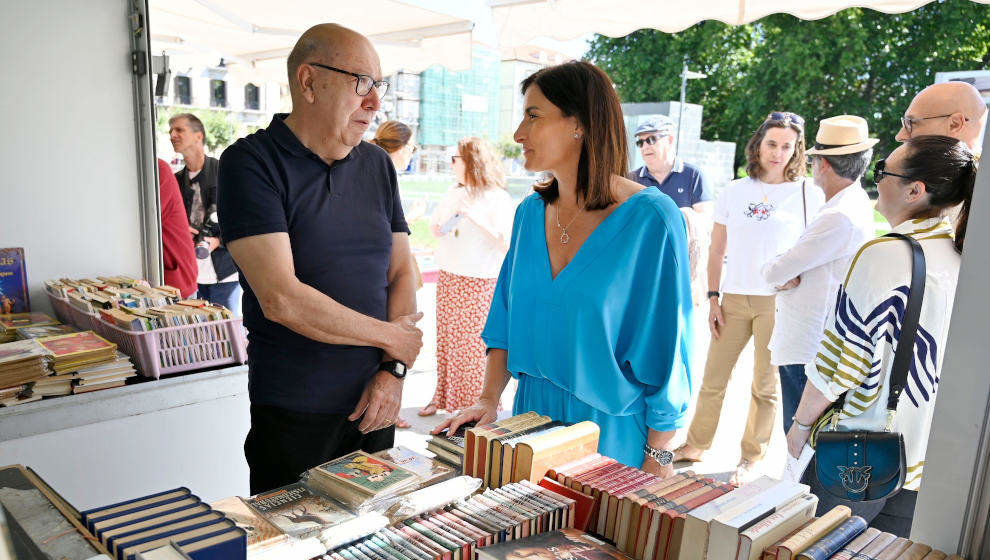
(613, 328)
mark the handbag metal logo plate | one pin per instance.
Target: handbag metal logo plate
(854, 479)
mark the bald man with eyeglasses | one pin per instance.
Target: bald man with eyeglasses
(954, 109)
(312, 216)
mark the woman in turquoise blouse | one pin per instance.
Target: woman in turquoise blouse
(592, 308)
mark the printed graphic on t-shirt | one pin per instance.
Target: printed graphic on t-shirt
(760, 211)
(197, 213)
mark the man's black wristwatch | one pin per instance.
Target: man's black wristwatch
(713, 294)
(395, 367)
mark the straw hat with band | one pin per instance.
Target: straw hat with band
(845, 134)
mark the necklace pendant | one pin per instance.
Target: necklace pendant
(564, 238)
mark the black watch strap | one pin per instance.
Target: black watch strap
(713, 294)
(395, 367)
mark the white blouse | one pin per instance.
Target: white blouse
(857, 351)
(468, 249)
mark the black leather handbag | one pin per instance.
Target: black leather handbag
(861, 465)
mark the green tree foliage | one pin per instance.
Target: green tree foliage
(857, 61)
(508, 148)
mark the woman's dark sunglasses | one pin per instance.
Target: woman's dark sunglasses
(786, 116)
(879, 172)
(651, 140)
(453, 159)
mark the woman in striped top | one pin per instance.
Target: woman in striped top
(920, 184)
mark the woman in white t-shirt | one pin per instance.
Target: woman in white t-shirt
(473, 223)
(756, 218)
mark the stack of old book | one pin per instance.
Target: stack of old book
(21, 363)
(43, 331)
(175, 517)
(83, 362)
(524, 447)
(105, 292)
(449, 448)
(564, 544)
(12, 323)
(460, 529)
(184, 312)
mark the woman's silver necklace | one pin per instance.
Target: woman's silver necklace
(564, 237)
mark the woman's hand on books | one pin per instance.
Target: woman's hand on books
(483, 412)
(654, 468)
(380, 403)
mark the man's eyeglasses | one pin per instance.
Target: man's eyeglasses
(879, 172)
(651, 140)
(364, 82)
(908, 124)
(786, 116)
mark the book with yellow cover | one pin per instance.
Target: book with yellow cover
(534, 457)
(78, 346)
(261, 533)
(809, 535)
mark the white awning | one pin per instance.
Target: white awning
(517, 22)
(257, 35)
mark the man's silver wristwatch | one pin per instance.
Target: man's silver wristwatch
(662, 456)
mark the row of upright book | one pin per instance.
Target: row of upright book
(48, 359)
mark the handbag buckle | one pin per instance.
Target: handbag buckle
(890, 421)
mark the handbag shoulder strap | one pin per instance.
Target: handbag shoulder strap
(904, 355)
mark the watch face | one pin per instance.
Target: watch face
(665, 458)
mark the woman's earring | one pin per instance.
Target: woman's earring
(576, 135)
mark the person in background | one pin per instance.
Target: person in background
(313, 218)
(953, 109)
(178, 257)
(663, 169)
(920, 184)
(817, 263)
(756, 218)
(592, 310)
(396, 139)
(217, 277)
(472, 223)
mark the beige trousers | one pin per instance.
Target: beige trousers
(745, 317)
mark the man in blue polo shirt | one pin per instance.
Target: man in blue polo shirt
(312, 216)
(680, 181)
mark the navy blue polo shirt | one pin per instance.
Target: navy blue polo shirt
(340, 219)
(685, 184)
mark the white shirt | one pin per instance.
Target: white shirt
(467, 250)
(761, 221)
(857, 351)
(821, 258)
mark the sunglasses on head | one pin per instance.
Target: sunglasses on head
(651, 140)
(880, 171)
(786, 116)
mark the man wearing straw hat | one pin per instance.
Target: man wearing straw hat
(809, 274)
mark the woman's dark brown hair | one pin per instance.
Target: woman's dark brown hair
(948, 169)
(482, 169)
(795, 167)
(392, 136)
(583, 91)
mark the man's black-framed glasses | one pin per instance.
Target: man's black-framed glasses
(908, 123)
(880, 171)
(651, 140)
(786, 116)
(364, 82)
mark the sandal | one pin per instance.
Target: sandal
(679, 456)
(743, 473)
(401, 424)
(428, 410)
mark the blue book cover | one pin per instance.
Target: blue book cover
(835, 540)
(91, 516)
(231, 545)
(14, 297)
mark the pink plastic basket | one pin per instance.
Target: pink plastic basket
(66, 313)
(177, 349)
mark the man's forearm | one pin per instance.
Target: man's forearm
(402, 297)
(313, 314)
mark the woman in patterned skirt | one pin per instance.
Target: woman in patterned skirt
(473, 223)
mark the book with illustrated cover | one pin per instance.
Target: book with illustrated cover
(48, 330)
(569, 543)
(261, 533)
(14, 295)
(297, 511)
(358, 476)
(77, 346)
(10, 323)
(430, 471)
